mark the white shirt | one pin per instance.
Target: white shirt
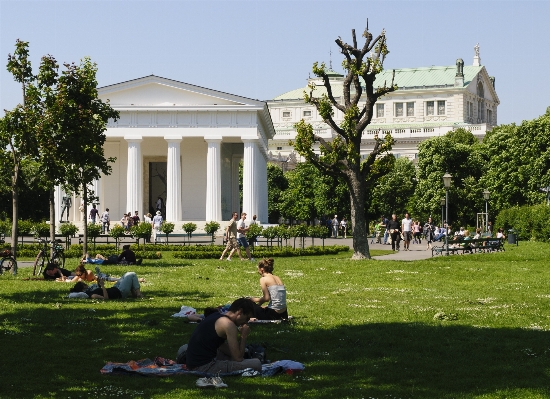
(241, 225)
(407, 224)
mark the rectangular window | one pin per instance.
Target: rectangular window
(489, 117)
(398, 109)
(379, 110)
(307, 113)
(286, 114)
(279, 148)
(470, 109)
(441, 108)
(410, 109)
(429, 108)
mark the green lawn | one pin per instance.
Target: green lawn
(472, 326)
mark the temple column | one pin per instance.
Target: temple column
(134, 177)
(213, 180)
(250, 176)
(173, 179)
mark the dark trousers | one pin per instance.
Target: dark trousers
(395, 238)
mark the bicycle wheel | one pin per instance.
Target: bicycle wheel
(36, 262)
(8, 264)
(60, 257)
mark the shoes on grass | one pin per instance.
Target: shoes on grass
(228, 259)
(211, 382)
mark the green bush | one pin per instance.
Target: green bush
(5, 227)
(24, 227)
(117, 231)
(141, 230)
(264, 252)
(68, 229)
(94, 230)
(167, 227)
(254, 231)
(211, 227)
(530, 222)
(41, 229)
(189, 228)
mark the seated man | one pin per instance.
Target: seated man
(53, 272)
(214, 346)
(128, 256)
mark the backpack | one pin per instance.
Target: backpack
(255, 351)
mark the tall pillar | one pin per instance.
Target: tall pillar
(213, 180)
(173, 180)
(134, 178)
(262, 188)
(250, 176)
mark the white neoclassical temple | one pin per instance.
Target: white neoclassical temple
(430, 101)
(182, 143)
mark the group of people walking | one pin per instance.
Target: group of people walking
(394, 231)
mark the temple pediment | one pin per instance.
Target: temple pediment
(154, 91)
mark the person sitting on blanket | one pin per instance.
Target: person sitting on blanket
(54, 272)
(127, 285)
(214, 346)
(273, 291)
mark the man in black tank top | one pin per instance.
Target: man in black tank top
(215, 347)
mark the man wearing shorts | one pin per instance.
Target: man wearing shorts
(241, 236)
(231, 237)
(406, 228)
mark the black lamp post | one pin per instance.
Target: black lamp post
(447, 183)
(486, 195)
(443, 202)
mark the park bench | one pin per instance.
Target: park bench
(460, 245)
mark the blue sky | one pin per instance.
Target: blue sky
(260, 49)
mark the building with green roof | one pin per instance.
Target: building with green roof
(430, 101)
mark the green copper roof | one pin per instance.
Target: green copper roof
(406, 79)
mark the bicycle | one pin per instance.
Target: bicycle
(58, 256)
(7, 261)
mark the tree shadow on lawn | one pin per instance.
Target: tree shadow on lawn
(66, 348)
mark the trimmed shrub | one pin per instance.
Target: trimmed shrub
(189, 228)
(41, 229)
(68, 229)
(24, 227)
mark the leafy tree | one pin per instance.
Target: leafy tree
(392, 192)
(518, 163)
(297, 202)
(17, 129)
(458, 153)
(61, 125)
(276, 185)
(331, 196)
(341, 158)
(189, 228)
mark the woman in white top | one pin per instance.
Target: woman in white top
(344, 227)
(273, 291)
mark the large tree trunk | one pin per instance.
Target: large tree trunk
(52, 217)
(15, 209)
(358, 219)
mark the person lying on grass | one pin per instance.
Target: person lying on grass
(54, 272)
(83, 274)
(98, 260)
(127, 285)
(273, 291)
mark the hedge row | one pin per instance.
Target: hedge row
(263, 252)
(530, 222)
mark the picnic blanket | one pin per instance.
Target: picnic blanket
(161, 367)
